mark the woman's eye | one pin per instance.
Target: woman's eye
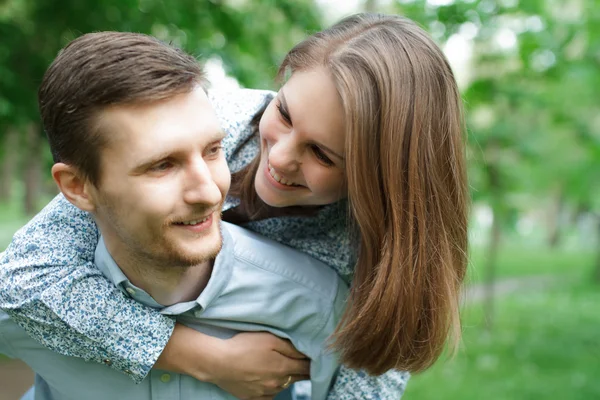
(284, 114)
(321, 156)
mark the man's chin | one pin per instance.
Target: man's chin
(197, 251)
(187, 259)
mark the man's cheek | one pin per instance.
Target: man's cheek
(222, 177)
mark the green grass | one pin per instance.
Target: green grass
(544, 345)
(525, 259)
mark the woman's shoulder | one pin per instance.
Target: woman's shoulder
(325, 236)
(238, 104)
(236, 109)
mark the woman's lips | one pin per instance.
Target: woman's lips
(274, 182)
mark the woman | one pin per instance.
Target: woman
(359, 163)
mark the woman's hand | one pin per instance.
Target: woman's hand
(258, 365)
(250, 365)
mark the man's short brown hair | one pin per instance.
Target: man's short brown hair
(104, 69)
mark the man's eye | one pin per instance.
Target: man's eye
(160, 167)
(214, 150)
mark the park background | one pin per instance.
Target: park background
(529, 73)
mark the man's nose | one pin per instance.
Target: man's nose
(200, 186)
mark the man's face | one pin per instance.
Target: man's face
(163, 180)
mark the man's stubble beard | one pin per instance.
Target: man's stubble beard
(175, 256)
(158, 251)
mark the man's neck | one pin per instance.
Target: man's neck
(167, 285)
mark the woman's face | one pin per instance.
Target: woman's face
(302, 143)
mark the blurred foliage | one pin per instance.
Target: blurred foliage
(249, 36)
(532, 99)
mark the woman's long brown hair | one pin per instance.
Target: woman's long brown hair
(407, 188)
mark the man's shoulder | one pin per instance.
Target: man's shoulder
(9, 329)
(290, 264)
(4, 317)
(13, 337)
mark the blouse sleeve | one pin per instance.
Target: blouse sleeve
(358, 385)
(50, 286)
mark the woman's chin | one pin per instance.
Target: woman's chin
(274, 201)
(267, 196)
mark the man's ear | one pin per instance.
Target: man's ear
(75, 188)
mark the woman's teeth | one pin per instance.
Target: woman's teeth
(278, 178)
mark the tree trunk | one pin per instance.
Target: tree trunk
(494, 244)
(9, 161)
(554, 218)
(33, 169)
(597, 269)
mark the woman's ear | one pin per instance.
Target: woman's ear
(75, 188)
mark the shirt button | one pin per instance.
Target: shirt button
(130, 291)
(165, 378)
(128, 372)
(198, 314)
(107, 362)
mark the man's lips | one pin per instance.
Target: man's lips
(195, 219)
(196, 225)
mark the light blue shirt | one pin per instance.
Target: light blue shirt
(256, 285)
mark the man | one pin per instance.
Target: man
(139, 148)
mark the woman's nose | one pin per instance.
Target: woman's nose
(285, 155)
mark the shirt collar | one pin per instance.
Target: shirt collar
(107, 265)
(220, 275)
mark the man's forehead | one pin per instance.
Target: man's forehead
(174, 124)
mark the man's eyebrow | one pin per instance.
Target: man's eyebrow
(142, 165)
(219, 135)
